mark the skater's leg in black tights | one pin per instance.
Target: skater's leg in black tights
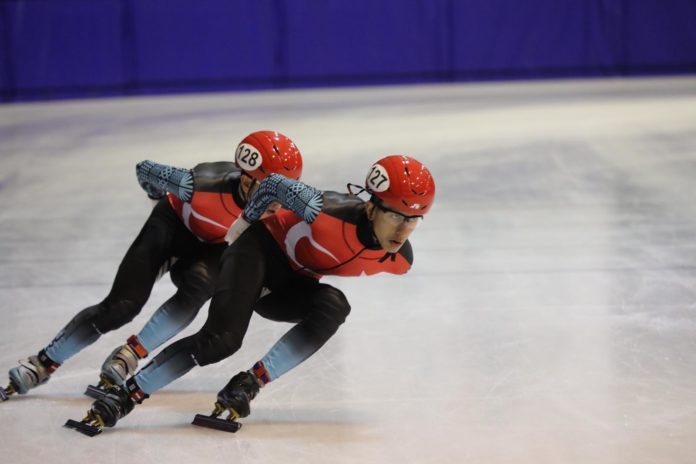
(162, 233)
(318, 309)
(195, 283)
(252, 262)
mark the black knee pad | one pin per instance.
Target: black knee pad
(108, 315)
(336, 301)
(330, 309)
(214, 347)
(195, 283)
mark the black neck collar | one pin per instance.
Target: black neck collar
(236, 194)
(366, 234)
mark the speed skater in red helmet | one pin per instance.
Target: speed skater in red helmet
(266, 152)
(403, 190)
(195, 208)
(319, 233)
(403, 184)
(259, 154)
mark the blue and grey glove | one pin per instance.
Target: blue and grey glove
(304, 200)
(158, 179)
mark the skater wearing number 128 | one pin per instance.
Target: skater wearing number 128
(321, 233)
(189, 223)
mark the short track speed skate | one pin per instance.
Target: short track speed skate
(89, 426)
(118, 367)
(105, 412)
(213, 422)
(30, 373)
(235, 399)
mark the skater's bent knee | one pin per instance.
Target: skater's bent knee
(196, 281)
(334, 304)
(214, 347)
(112, 315)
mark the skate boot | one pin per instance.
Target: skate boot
(235, 398)
(237, 395)
(118, 367)
(115, 403)
(31, 372)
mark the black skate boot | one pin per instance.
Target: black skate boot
(31, 372)
(238, 393)
(118, 367)
(235, 398)
(114, 404)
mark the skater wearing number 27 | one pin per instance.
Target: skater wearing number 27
(318, 233)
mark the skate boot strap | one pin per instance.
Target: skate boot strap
(135, 392)
(259, 371)
(47, 362)
(137, 347)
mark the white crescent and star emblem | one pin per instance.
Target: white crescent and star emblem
(295, 234)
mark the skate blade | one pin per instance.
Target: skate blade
(6, 392)
(215, 423)
(94, 392)
(83, 428)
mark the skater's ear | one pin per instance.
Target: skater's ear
(247, 185)
(370, 210)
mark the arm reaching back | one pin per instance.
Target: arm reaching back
(304, 200)
(158, 179)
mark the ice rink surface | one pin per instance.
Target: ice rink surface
(550, 316)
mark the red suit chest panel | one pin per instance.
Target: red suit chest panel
(329, 246)
(209, 214)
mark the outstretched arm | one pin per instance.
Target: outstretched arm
(304, 200)
(158, 179)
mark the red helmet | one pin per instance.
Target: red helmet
(264, 152)
(403, 184)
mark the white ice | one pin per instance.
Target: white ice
(550, 316)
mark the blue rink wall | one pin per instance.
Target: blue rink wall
(84, 48)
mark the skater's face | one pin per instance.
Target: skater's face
(391, 228)
(247, 186)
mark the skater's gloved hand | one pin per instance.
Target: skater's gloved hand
(153, 193)
(142, 171)
(158, 179)
(236, 229)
